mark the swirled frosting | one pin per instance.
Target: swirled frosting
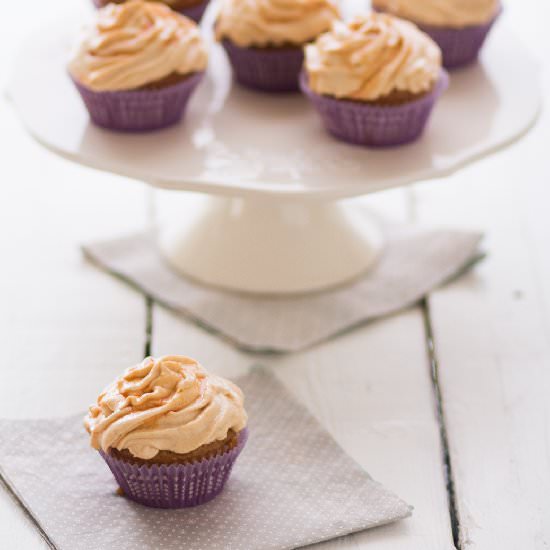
(370, 57)
(170, 403)
(274, 22)
(442, 13)
(134, 44)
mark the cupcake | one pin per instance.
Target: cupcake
(264, 39)
(169, 431)
(374, 81)
(138, 65)
(194, 9)
(459, 27)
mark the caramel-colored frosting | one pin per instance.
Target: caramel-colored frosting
(136, 43)
(370, 57)
(274, 22)
(171, 403)
(441, 13)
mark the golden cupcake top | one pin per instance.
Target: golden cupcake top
(274, 22)
(371, 57)
(171, 403)
(134, 44)
(443, 13)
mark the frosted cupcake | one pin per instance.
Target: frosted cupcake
(459, 27)
(169, 431)
(138, 65)
(374, 81)
(264, 38)
(194, 9)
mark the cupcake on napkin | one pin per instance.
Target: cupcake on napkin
(137, 67)
(169, 431)
(264, 39)
(194, 9)
(459, 27)
(374, 81)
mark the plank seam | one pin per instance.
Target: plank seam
(26, 511)
(148, 326)
(443, 432)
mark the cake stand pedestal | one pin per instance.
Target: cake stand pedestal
(265, 246)
(270, 219)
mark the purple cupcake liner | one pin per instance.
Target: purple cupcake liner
(267, 70)
(363, 123)
(175, 485)
(194, 12)
(139, 110)
(459, 47)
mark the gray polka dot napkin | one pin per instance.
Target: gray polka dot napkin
(413, 263)
(292, 486)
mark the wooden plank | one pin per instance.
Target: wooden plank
(371, 388)
(61, 323)
(492, 338)
(65, 327)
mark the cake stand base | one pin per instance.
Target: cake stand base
(270, 247)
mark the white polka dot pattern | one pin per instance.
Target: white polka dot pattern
(414, 262)
(292, 486)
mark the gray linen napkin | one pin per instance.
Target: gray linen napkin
(414, 262)
(292, 486)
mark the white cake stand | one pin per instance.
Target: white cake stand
(272, 221)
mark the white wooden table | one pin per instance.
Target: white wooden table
(458, 385)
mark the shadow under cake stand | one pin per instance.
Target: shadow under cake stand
(271, 219)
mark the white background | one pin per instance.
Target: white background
(66, 329)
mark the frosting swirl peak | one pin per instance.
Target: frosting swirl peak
(443, 13)
(274, 22)
(371, 57)
(170, 403)
(137, 43)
